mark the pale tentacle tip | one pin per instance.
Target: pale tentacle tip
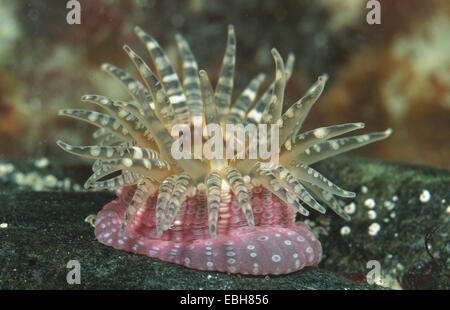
(275, 53)
(105, 66)
(213, 234)
(323, 78)
(87, 185)
(388, 132)
(138, 30)
(127, 49)
(179, 36)
(87, 97)
(350, 194)
(61, 144)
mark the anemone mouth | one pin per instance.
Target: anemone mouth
(135, 137)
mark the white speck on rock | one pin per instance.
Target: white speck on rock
(364, 189)
(350, 208)
(370, 203)
(425, 196)
(372, 214)
(374, 228)
(345, 230)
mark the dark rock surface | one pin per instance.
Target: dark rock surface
(46, 229)
(411, 203)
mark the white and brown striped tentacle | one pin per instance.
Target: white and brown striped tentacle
(277, 99)
(163, 107)
(334, 147)
(129, 121)
(132, 85)
(296, 187)
(106, 122)
(267, 179)
(99, 173)
(100, 132)
(156, 169)
(125, 179)
(162, 202)
(210, 109)
(259, 112)
(110, 140)
(224, 87)
(241, 192)
(177, 199)
(213, 183)
(191, 81)
(327, 198)
(245, 100)
(308, 174)
(211, 113)
(292, 120)
(143, 191)
(98, 163)
(313, 137)
(168, 77)
(109, 152)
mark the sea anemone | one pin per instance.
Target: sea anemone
(232, 214)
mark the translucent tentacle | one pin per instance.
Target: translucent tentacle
(334, 147)
(241, 192)
(99, 133)
(328, 198)
(133, 86)
(297, 188)
(152, 168)
(105, 122)
(277, 98)
(224, 88)
(209, 101)
(135, 128)
(213, 183)
(176, 199)
(99, 173)
(165, 192)
(143, 191)
(110, 140)
(168, 77)
(108, 152)
(292, 120)
(245, 100)
(270, 181)
(312, 176)
(163, 107)
(191, 81)
(261, 109)
(126, 179)
(312, 137)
